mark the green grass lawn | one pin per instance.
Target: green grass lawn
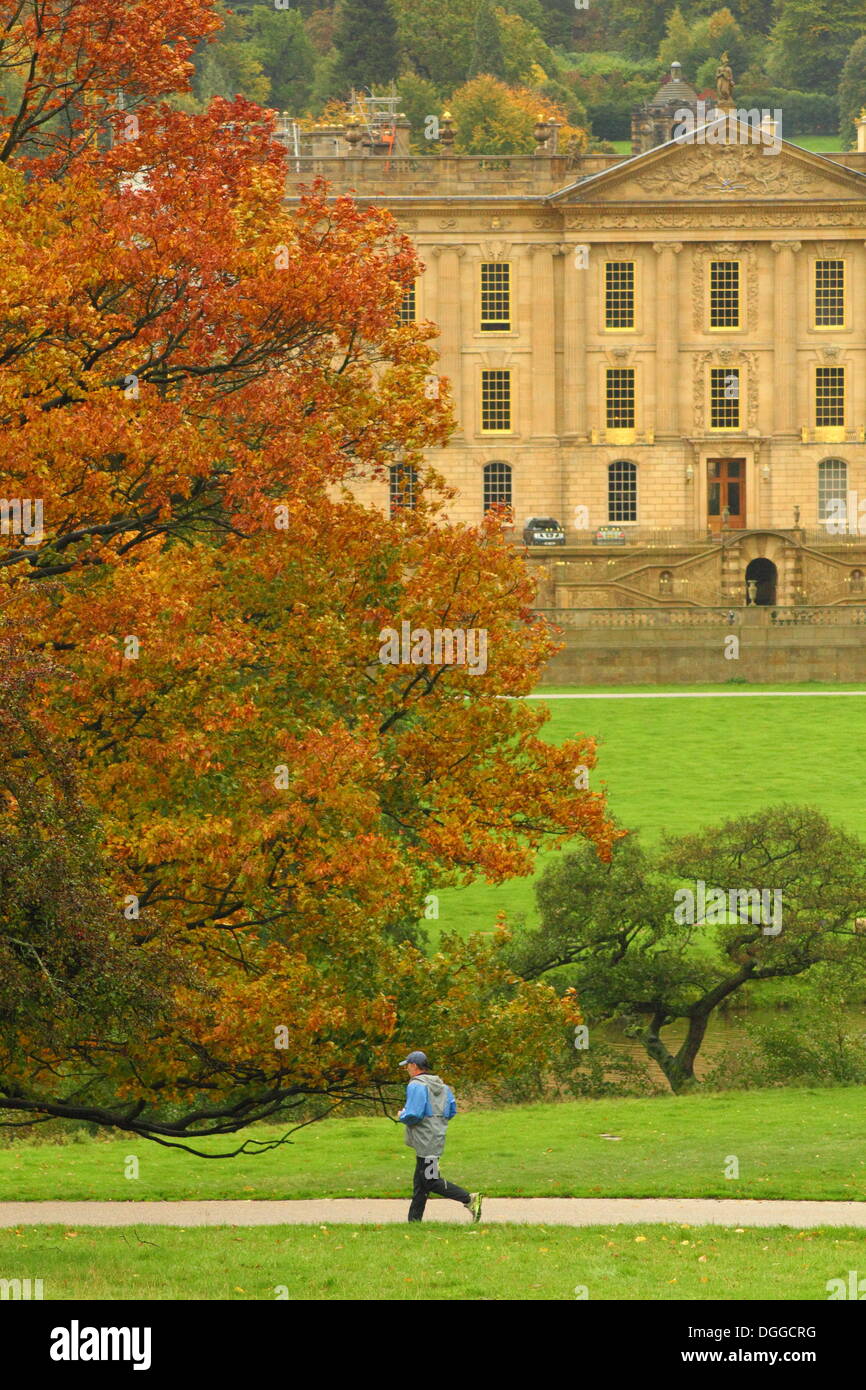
(792, 1143)
(431, 1262)
(676, 765)
(820, 144)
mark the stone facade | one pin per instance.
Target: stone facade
(772, 240)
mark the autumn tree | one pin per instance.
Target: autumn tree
(492, 118)
(194, 378)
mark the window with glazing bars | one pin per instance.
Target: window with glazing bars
(622, 491)
(830, 396)
(724, 398)
(404, 486)
(406, 313)
(620, 398)
(496, 400)
(833, 490)
(829, 294)
(495, 297)
(619, 294)
(497, 485)
(724, 294)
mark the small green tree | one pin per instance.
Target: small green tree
(366, 42)
(634, 950)
(418, 100)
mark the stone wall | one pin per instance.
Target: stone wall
(599, 656)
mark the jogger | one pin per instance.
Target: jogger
(427, 1180)
(430, 1104)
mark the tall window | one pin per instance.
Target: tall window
(833, 491)
(829, 294)
(724, 294)
(406, 312)
(619, 294)
(829, 396)
(724, 398)
(495, 401)
(497, 485)
(622, 491)
(403, 487)
(495, 297)
(620, 398)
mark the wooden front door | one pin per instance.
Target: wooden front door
(726, 494)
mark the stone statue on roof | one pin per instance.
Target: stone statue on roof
(725, 81)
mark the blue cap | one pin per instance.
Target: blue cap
(419, 1058)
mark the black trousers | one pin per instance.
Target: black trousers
(427, 1180)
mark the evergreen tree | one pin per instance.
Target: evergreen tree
(852, 92)
(486, 55)
(366, 42)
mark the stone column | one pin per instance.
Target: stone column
(785, 336)
(447, 314)
(667, 420)
(543, 342)
(575, 363)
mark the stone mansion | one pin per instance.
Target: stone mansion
(670, 345)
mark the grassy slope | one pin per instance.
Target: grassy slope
(669, 1263)
(675, 765)
(789, 1143)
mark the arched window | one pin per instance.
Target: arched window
(497, 485)
(857, 581)
(833, 492)
(403, 487)
(666, 582)
(622, 491)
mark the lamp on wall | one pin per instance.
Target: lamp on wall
(765, 472)
(690, 472)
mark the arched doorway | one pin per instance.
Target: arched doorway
(765, 575)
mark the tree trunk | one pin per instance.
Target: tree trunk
(679, 1068)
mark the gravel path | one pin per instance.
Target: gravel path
(552, 1211)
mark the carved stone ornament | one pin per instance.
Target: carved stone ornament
(720, 217)
(495, 250)
(728, 170)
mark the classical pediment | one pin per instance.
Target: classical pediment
(730, 173)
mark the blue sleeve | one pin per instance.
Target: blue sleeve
(416, 1104)
(451, 1104)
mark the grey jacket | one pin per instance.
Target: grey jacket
(427, 1135)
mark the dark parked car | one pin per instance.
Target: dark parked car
(543, 530)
